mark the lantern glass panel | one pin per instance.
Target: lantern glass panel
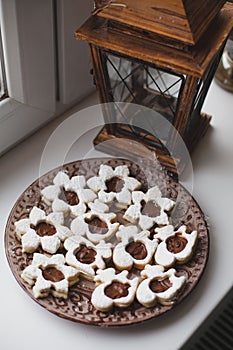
(137, 82)
(132, 81)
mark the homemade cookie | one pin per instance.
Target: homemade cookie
(114, 185)
(135, 248)
(149, 208)
(113, 289)
(68, 195)
(42, 230)
(176, 246)
(50, 275)
(85, 256)
(159, 286)
(97, 224)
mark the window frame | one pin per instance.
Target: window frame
(37, 66)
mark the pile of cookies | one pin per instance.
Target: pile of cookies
(118, 236)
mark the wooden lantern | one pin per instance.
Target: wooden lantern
(160, 54)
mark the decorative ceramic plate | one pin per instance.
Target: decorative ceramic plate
(78, 306)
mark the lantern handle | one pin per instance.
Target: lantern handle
(111, 3)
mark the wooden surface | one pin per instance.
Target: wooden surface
(183, 20)
(124, 145)
(183, 59)
(174, 165)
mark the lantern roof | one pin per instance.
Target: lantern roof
(183, 20)
(164, 52)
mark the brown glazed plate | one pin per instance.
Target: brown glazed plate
(77, 307)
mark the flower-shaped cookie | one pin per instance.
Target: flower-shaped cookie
(50, 275)
(41, 229)
(149, 208)
(97, 224)
(135, 248)
(175, 246)
(68, 195)
(159, 286)
(85, 256)
(114, 184)
(113, 289)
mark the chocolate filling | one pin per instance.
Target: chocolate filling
(150, 209)
(52, 274)
(115, 184)
(85, 255)
(120, 218)
(176, 244)
(159, 286)
(137, 250)
(69, 196)
(97, 226)
(117, 290)
(119, 215)
(44, 229)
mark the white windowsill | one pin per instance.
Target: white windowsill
(18, 120)
(213, 168)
